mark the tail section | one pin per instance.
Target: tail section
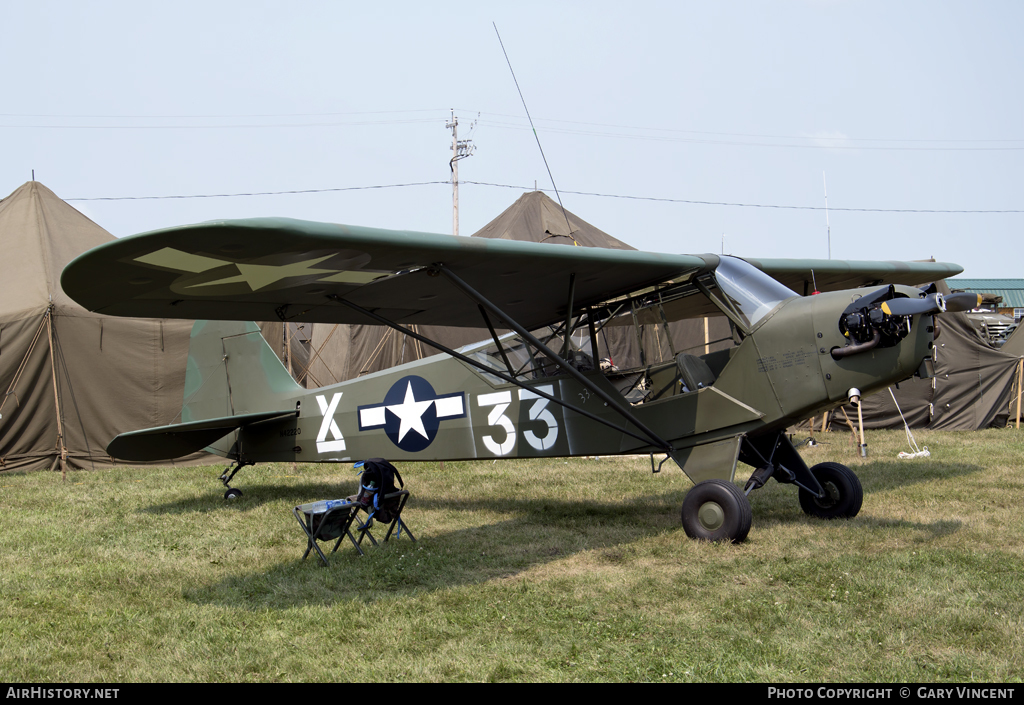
(233, 379)
(232, 371)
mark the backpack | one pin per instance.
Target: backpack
(376, 480)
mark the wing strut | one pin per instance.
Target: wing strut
(615, 404)
(496, 339)
(501, 375)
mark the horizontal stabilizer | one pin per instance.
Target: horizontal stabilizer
(176, 440)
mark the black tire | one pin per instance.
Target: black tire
(716, 510)
(843, 493)
(233, 493)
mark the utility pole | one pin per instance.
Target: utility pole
(460, 150)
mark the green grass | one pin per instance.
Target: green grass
(555, 570)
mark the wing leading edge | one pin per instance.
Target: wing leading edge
(276, 268)
(264, 269)
(807, 275)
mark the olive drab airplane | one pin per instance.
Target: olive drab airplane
(537, 390)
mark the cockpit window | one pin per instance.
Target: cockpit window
(753, 292)
(527, 363)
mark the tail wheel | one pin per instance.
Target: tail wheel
(843, 493)
(716, 510)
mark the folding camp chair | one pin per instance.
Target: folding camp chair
(326, 521)
(396, 517)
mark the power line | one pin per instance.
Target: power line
(254, 193)
(659, 134)
(235, 115)
(756, 205)
(575, 193)
(756, 136)
(824, 141)
(225, 126)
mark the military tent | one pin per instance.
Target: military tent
(72, 379)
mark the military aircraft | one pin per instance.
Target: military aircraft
(523, 393)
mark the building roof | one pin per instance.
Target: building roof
(1012, 290)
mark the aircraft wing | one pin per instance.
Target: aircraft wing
(271, 268)
(276, 268)
(804, 275)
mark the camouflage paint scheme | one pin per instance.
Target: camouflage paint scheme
(241, 403)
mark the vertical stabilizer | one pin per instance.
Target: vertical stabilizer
(232, 371)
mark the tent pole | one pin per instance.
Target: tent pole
(288, 348)
(316, 356)
(1020, 380)
(24, 362)
(61, 449)
(853, 438)
(860, 422)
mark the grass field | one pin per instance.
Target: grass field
(556, 570)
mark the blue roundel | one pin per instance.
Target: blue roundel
(410, 416)
(413, 411)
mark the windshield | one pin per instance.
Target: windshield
(753, 292)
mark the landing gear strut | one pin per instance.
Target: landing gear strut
(717, 510)
(229, 472)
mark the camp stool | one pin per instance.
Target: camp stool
(327, 520)
(371, 507)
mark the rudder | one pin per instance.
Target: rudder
(232, 371)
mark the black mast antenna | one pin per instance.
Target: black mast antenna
(557, 195)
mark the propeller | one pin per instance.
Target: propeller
(932, 303)
(881, 319)
(964, 301)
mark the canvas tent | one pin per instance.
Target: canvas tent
(291, 343)
(343, 352)
(72, 379)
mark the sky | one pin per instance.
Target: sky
(684, 127)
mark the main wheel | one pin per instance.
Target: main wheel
(843, 493)
(233, 493)
(716, 510)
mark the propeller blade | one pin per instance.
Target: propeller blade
(963, 301)
(933, 303)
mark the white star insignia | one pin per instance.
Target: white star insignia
(410, 413)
